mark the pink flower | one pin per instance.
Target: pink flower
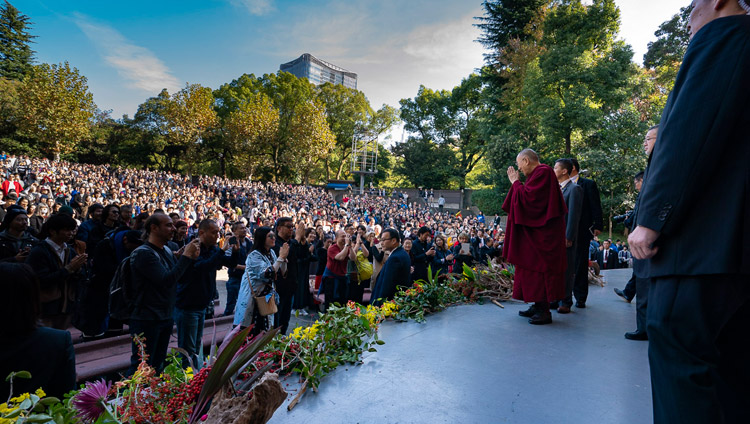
(90, 401)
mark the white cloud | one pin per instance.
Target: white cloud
(136, 64)
(392, 56)
(255, 7)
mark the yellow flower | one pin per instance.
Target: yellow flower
(39, 392)
(306, 333)
(20, 398)
(5, 409)
(189, 373)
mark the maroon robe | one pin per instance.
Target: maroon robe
(535, 236)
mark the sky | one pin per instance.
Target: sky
(130, 50)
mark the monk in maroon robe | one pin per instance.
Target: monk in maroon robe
(535, 236)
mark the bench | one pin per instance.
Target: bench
(111, 355)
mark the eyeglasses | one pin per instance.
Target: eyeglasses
(385, 239)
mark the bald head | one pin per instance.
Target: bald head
(527, 161)
(529, 154)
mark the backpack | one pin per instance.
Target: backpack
(121, 301)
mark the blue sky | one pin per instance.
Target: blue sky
(130, 50)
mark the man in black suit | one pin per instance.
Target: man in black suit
(697, 189)
(286, 285)
(573, 196)
(607, 257)
(422, 253)
(589, 226)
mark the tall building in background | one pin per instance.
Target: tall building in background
(319, 71)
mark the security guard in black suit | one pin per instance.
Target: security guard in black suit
(590, 225)
(694, 226)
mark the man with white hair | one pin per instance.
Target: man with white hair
(699, 177)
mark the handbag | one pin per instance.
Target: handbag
(364, 267)
(266, 304)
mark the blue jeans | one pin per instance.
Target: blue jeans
(156, 334)
(233, 290)
(190, 334)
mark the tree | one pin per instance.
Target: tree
(56, 107)
(314, 139)
(251, 130)
(582, 74)
(425, 163)
(350, 118)
(16, 56)
(504, 21)
(451, 119)
(190, 116)
(665, 54)
(9, 106)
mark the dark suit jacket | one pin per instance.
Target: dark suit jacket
(286, 285)
(591, 212)
(395, 273)
(705, 125)
(573, 196)
(419, 260)
(47, 354)
(612, 260)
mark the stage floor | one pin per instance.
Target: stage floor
(485, 364)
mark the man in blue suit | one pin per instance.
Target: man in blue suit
(396, 270)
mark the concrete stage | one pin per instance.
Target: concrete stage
(484, 364)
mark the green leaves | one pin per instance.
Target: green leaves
(56, 107)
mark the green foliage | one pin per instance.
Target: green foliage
(425, 297)
(56, 107)
(489, 201)
(504, 21)
(425, 163)
(582, 74)
(665, 54)
(16, 55)
(451, 121)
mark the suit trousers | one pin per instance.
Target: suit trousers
(570, 275)
(698, 344)
(581, 278)
(630, 288)
(641, 302)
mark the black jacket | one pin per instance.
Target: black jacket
(591, 212)
(705, 126)
(155, 273)
(57, 286)
(47, 354)
(195, 289)
(287, 284)
(419, 259)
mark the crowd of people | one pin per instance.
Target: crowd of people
(76, 228)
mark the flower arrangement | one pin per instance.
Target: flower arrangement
(233, 371)
(340, 336)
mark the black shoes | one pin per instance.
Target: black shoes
(622, 295)
(528, 313)
(580, 305)
(636, 335)
(541, 318)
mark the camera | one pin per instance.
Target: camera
(622, 218)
